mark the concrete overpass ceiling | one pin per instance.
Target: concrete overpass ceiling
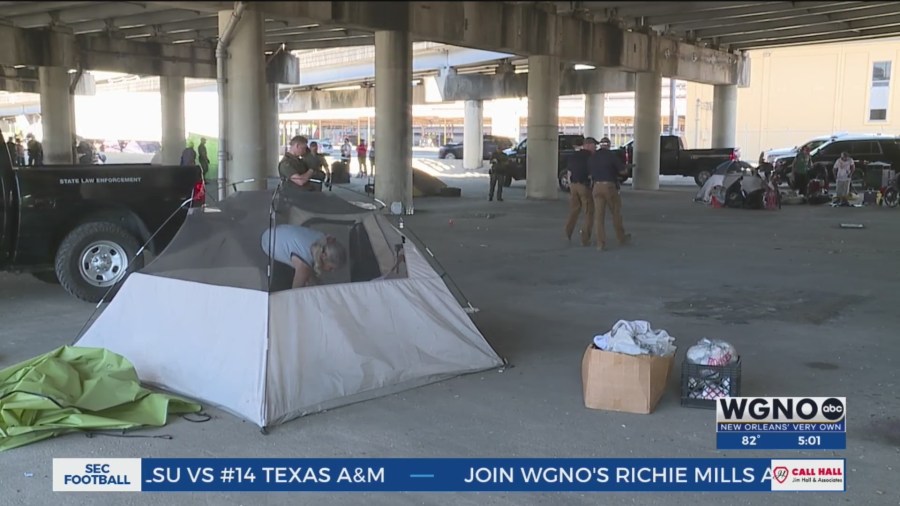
(749, 25)
(169, 22)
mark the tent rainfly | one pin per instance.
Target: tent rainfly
(214, 317)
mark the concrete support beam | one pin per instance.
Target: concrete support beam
(473, 134)
(522, 28)
(508, 85)
(647, 97)
(594, 105)
(270, 123)
(542, 157)
(724, 121)
(393, 118)
(245, 94)
(56, 115)
(171, 94)
(59, 47)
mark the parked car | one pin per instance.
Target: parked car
(454, 150)
(325, 147)
(772, 155)
(82, 225)
(518, 155)
(864, 149)
(674, 160)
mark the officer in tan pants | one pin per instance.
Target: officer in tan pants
(580, 192)
(606, 168)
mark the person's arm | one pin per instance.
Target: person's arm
(303, 274)
(302, 179)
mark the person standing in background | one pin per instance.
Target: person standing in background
(606, 169)
(189, 156)
(346, 151)
(579, 191)
(372, 157)
(843, 174)
(11, 148)
(361, 158)
(35, 152)
(203, 156)
(20, 152)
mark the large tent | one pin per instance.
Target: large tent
(214, 316)
(725, 174)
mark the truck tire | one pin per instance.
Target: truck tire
(701, 176)
(507, 181)
(450, 156)
(95, 258)
(46, 277)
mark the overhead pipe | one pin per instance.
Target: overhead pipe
(221, 58)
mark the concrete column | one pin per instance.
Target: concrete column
(647, 98)
(393, 117)
(542, 157)
(724, 122)
(473, 135)
(273, 133)
(245, 95)
(171, 94)
(56, 115)
(593, 115)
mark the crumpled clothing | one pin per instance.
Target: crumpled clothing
(712, 352)
(636, 338)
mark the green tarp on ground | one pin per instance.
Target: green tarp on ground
(75, 388)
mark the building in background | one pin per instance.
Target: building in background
(798, 93)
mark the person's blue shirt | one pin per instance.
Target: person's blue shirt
(605, 166)
(292, 240)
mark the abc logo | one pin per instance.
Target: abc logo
(832, 409)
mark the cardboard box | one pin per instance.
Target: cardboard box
(619, 382)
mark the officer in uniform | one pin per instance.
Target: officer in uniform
(498, 172)
(606, 169)
(293, 167)
(579, 191)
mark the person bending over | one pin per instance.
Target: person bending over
(308, 251)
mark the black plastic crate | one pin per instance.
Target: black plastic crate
(698, 382)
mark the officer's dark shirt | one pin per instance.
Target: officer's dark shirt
(291, 165)
(604, 165)
(499, 161)
(577, 164)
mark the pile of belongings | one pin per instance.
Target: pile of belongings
(710, 384)
(636, 338)
(737, 184)
(76, 388)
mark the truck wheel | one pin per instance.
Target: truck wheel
(701, 177)
(507, 181)
(95, 257)
(450, 156)
(563, 178)
(46, 277)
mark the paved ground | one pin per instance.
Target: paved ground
(811, 307)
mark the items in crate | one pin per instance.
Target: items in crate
(716, 382)
(709, 387)
(636, 338)
(711, 352)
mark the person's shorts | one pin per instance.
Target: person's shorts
(843, 188)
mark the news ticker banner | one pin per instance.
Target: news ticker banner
(448, 475)
(781, 423)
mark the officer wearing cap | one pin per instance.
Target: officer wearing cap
(606, 169)
(579, 191)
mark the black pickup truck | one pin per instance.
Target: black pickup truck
(519, 154)
(83, 225)
(674, 160)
